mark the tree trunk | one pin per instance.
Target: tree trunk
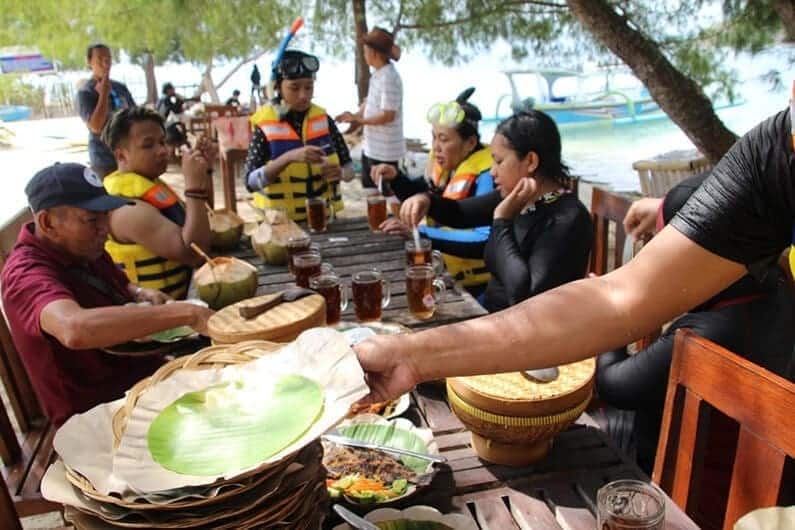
(207, 84)
(678, 95)
(151, 83)
(362, 71)
(786, 12)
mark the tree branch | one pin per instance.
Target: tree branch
(398, 20)
(503, 8)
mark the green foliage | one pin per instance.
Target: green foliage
(14, 91)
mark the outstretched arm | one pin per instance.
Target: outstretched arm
(557, 326)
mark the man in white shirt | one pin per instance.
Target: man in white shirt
(381, 114)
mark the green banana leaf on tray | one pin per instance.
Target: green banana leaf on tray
(232, 426)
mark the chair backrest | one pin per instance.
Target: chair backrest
(761, 402)
(12, 372)
(607, 209)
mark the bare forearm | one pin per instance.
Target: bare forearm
(577, 320)
(380, 119)
(106, 326)
(276, 166)
(99, 116)
(196, 230)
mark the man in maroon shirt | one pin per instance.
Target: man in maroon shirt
(64, 297)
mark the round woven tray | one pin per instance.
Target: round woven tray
(205, 359)
(513, 394)
(280, 324)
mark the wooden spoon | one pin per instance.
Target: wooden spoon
(290, 295)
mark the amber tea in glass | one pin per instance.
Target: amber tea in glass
(376, 211)
(331, 287)
(423, 291)
(316, 214)
(370, 295)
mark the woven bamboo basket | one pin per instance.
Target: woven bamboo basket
(282, 323)
(513, 420)
(205, 359)
(658, 175)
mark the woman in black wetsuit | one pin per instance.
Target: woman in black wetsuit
(752, 317)
(540, 232)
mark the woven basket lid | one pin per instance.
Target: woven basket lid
(513, 394)
(281, 323)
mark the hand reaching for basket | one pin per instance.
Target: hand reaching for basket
(201, 315)
(387, 375)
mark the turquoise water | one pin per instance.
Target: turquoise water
(601, 153)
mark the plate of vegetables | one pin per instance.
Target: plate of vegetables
(368, 476)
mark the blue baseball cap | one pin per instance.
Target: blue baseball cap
(70, 184)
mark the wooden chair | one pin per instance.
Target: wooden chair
(761, 402)
(607, 208)
(25, 455)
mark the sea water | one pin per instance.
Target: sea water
(602, 153)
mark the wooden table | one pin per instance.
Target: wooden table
(558, 492)
(350, 246)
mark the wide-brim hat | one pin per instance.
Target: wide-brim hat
(382, 41)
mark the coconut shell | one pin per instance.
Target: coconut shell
(226, 227)
(225, 281)
(270, 241)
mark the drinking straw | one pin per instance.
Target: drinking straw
(203, 254)
(416, 233)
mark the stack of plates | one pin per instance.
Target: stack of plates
(171, 453)
(288, 494)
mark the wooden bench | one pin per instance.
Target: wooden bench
(26, 454)
(703, 373)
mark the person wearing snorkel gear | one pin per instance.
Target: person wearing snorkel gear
(381, 114)
(296, 151)
(459, 168)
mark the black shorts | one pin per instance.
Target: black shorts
(367, 164)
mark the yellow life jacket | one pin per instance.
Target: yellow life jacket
(460, 185)
(297, 180)
(139, 264)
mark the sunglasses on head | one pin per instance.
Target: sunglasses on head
(299, 65)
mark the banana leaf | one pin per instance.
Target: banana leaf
(231, 427)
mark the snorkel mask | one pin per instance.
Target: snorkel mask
(454, 113)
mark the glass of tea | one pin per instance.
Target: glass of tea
(296, 245)
(317, 214)
(424, 255)
(308, 264)
(333, 290)
(376, 211)
(630, 505)
(370, 295)
(424, 291)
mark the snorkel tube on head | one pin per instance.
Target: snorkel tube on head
(460, 114)
(277, 59)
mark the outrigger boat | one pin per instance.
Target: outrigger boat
(586, 105)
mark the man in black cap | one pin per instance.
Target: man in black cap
(65, 299)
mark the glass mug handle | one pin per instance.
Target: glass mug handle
(439, 289)
(438, 262)
(387, 296)
(326, 268)
(343, 297)
(330, 207)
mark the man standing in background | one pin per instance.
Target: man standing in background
(97, 100)
(382, 112)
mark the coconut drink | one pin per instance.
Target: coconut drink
(270, 239)
(226, 227)
(224, 280)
